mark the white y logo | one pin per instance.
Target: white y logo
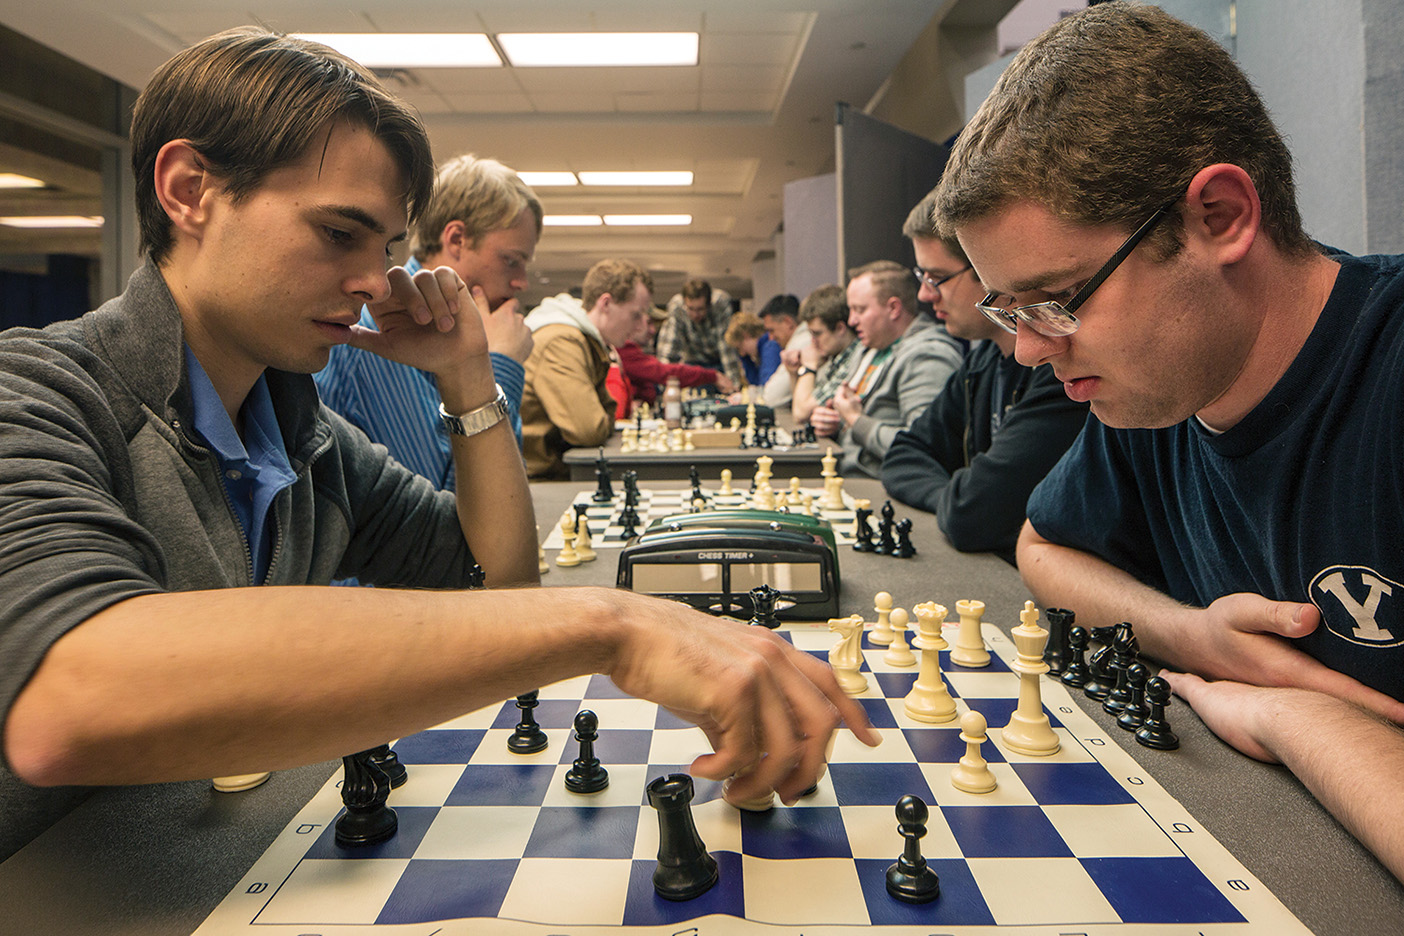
(1365, 626)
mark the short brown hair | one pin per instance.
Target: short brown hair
(250, 101)
(921, 225)
(698, 289)
(890, 279)
(615, 277)
(482, 193)
(828, 304)
(743, 325)
(1108, 115)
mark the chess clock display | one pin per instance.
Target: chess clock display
(713, 568)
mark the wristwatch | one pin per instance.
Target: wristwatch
(477, 420)
(802, 371)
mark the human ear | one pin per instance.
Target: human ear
(453, 240)
(1223, 211)
(182, 184)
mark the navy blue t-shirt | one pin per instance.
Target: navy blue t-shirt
(1303, 500)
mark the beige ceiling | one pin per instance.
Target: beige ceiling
(756, 112)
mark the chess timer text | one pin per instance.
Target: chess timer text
(725, 555)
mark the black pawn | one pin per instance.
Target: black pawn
(364, 790)
(390, 765)
(685, 869)
(527, 738)
(1058, 653)
(1134, 714)
(887, 546)
(911, 880)
(629, 522)
(763, 599)
(1124, 648)
(863, 534)
(604, 492)
(582, 520)
(1155, 730)
(1075, 674)
(905, 549)
(476, 577)
(696, 480)
(586, 775)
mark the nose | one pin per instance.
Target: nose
(931, 297)
(1032, 349)
(371, 286)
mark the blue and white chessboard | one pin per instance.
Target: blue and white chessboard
(606, 532)
(489, 842)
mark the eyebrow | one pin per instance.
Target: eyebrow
(363, 218)
(1040, 281)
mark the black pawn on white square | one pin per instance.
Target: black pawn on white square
(586, 775)
(527, 737)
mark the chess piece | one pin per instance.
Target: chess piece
(384, 758)
(1124, 647)
(584, 549)
(685, 869)
(763, 598)
(846, 657)
(759, 803)
(695, 478)
(905, 549)
(830, 465)
(1058, 654)
(881, 634)
(910, 879)
(604, 490)
(833, 493)
(688, 445)
(527, 737)
(542, 566)
(586, 775)
(862, 533)
(364, 790)
(929, 700)
(1029, 731)
(972, 774)
(568, 556)
(238, 783)
(887, 545)
(1077, 674)
(726, 490)
(1098, 685)
(1155, 730)
(795, 495)
(970, 644)
(1134, 714)
(899, 653)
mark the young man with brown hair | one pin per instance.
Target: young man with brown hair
(1129, 205)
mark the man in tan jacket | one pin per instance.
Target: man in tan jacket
(565, 402)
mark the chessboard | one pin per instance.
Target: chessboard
(1084, 841)
(607, 532)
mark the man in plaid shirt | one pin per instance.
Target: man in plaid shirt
(693, 333)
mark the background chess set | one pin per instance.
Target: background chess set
(606, 531)
(491, 842)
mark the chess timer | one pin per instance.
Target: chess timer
(713, 568)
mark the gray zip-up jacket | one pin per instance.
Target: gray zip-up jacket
(107, 493)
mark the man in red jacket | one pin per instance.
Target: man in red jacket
(641, 374)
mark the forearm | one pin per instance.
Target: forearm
(803, 403)
(198, 684)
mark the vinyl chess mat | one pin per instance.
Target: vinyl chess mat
(606, 531)
(1084, 841)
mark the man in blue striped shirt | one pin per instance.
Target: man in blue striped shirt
(484, 223)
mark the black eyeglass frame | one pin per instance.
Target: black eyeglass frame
(1054, 319)
(925, 279)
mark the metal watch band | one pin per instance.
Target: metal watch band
(478, 420)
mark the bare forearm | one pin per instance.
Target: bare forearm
(199, 684)
(804, 401)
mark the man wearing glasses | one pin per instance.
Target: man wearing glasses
(1127, 201)
(994, 430)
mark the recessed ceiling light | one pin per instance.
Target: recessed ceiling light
(649, 220)
(52, 221)
(572, 221)
(544, 179)
(15, 180)
(592, 49)
(635, 178)
(412, 50)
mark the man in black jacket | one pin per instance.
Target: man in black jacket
(995, 429)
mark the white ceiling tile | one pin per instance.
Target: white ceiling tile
(752, 78)
(662, 101)
(756, 19)
(469, 80)
(562, 102)
(515, 103)
(728, 101)
(748, 48)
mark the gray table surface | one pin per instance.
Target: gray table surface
(157, 859)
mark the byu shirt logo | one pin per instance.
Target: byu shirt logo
(1360, 592)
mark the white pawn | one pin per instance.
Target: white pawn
(726, 490)
(899, 654)
(830, 464)
(584, 549)
(687, 441)
(795, 495)
(542, 566)
(846, 657)
(881, 634)
(970, 645)
(568, 556)
(972, 774)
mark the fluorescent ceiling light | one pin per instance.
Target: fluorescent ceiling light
(52, 221)
(572, 221)
(635, 178)
(599, 49)
(14, 180)
(412, 50)
(543, 179)
(654, 220)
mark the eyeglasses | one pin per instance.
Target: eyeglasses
(924, 276)
(1054, 319)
